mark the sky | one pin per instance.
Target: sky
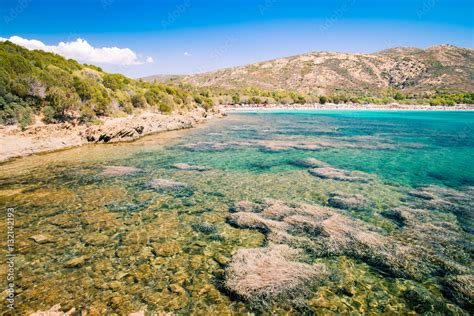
(143, 37)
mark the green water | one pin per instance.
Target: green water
(143, 250)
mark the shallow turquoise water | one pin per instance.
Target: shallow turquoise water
(144, 252)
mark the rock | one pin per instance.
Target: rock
(222, 260)
(185, 166)
(55, 311)
(205, 228)
(245, 206)
(340, 174)
(76, 262)
(310, 163)
(43, 239)
(176, 288)
(115, 285)
(348, 201)
(167, 249)
(166, 184)
(118, 171)
(95, 239)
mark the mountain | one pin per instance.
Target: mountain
(443, 68)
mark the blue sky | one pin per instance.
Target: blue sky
(188, 36)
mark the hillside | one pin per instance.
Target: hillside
(442, 68)
(37, 83)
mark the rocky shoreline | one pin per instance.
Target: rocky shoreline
(345, 106)
(50, 137)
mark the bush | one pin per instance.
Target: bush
(323, 100)
(235, 99)
(49, 113)
(86, 115)
(139, 101)
(62, 101)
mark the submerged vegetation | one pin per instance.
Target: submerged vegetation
(34, 82)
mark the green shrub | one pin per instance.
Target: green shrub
(323, 100)
(165, 108)
(62, 101)
(87, 115)
(49, 114)
(235, 99)
(139, 101)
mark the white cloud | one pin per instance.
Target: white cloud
(82, 51)
(187, 54)
(150, 60)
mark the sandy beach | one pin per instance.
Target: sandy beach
(348, 106)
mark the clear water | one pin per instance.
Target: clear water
(141, 246)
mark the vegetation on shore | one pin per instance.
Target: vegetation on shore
(260, 96)
(34, 82)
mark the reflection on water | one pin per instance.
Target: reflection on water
(117, 240)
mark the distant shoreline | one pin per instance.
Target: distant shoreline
(335, 107)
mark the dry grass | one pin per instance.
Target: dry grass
(271, 274)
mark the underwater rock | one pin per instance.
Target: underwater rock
(309, 163)
(185, 166)
(268, 274)
(76, 262)
(43, 239)
(54, 311)
(110, 171)
(245, 206)
(95, 239)
(348, 201)
(340, 174)
(461, 289)
(166, 249)
(166, 184)
(324, 232)
(205, 228)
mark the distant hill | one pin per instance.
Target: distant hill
(444, 68)
(163, 78)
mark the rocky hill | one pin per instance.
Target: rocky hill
(444, 68)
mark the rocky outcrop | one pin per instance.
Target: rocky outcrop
(43, 138)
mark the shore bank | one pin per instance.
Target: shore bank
(351, 106)
(50, 137)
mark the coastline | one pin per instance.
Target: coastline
(43, 138)
(349, 107)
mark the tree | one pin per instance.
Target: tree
(323, 99)
(62, 101)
